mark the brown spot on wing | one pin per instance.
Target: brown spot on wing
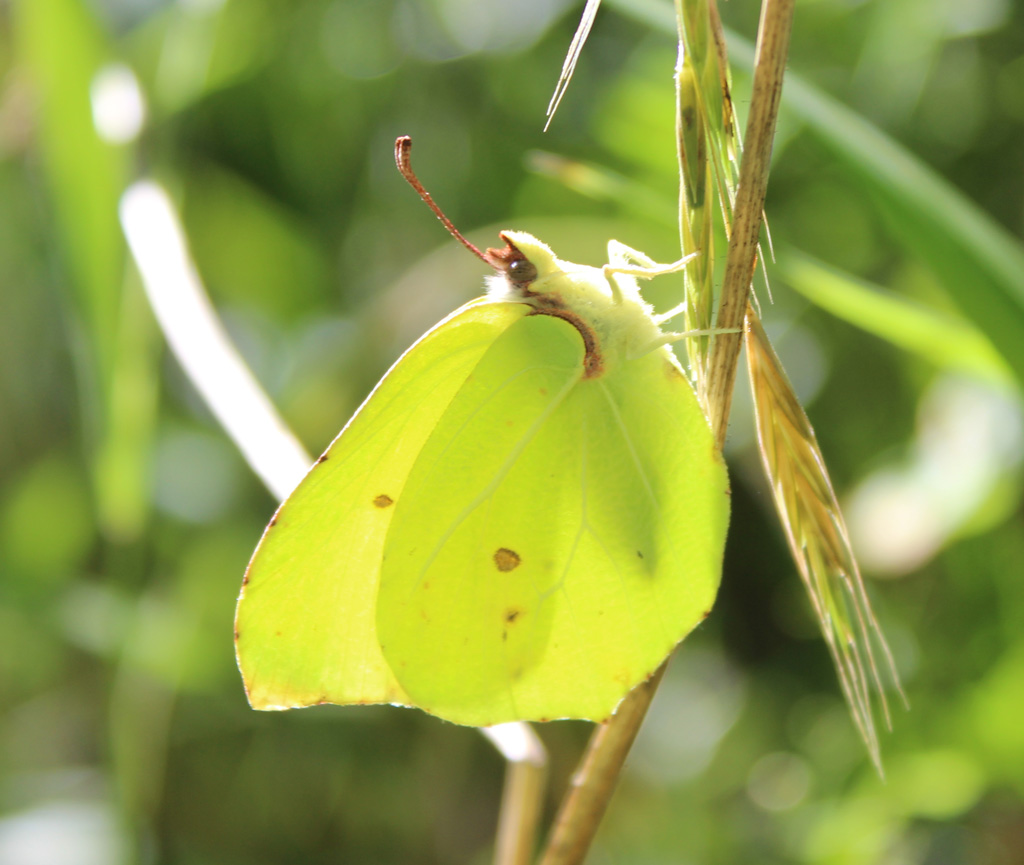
(323, 459)
(383, 501)
(506, 560)
(512, 615)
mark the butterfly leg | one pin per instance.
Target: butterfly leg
(671, 313)
(626, 260)
(669, 338)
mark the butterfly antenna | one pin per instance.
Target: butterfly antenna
(403, 146)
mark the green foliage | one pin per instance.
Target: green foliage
(126, 517)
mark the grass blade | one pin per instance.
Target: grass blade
(817, 535)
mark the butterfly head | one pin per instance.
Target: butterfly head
(522, 262)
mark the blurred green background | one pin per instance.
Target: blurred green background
(127, 516)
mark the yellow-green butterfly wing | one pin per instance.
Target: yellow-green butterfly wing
(305, 628)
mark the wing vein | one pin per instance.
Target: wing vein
(642, 473)
(499, 475)
(634, 456)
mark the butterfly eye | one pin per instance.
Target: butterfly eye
(521, 271)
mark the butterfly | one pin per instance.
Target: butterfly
(521, 521)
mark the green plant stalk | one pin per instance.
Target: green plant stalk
(519, 814)
(594, 783)
(696, 225)
(769, 67)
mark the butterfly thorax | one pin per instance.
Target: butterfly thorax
(616, 323)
